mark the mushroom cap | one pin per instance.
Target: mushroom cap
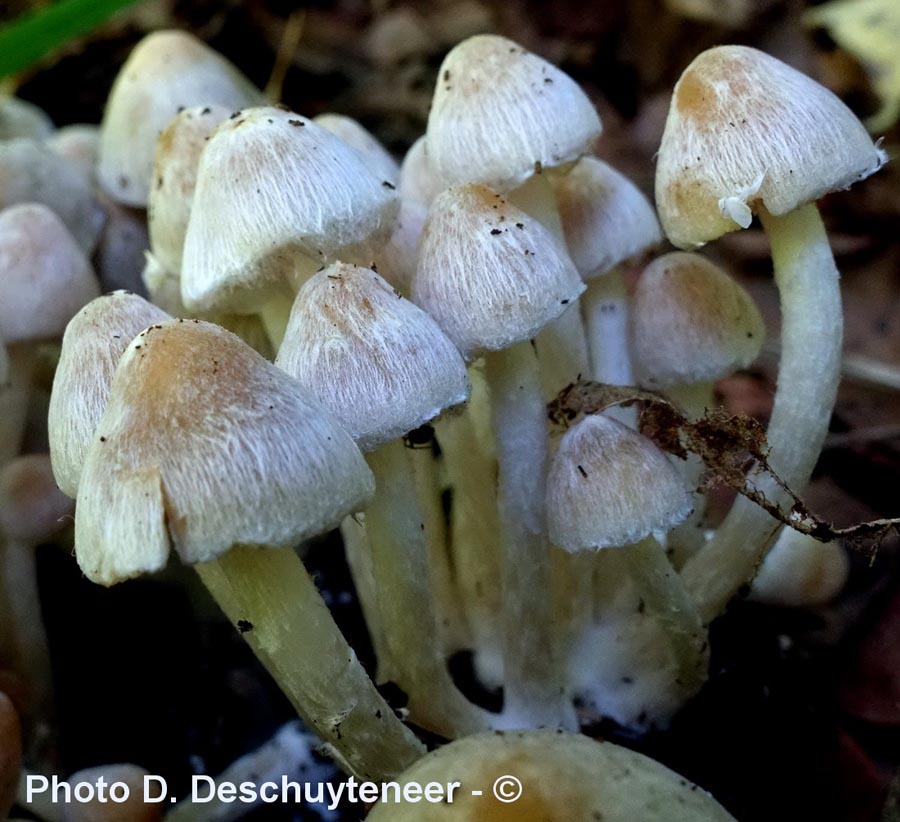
(490, 274)
(745, 130)
(562, 777)
(80, 145)
(32, 508)
(692, 322)
(134, 809)
(44, 276)
(609, 486)
(801, 572)
(19, 118)
(276, 192)
(175, 177)
(417, 180)
(94, 341)
(166, 71)
(10, 754)
(380, 161)
(379, 363)
(30, 172)
(605, 217)
(500, 113)
(204, 445)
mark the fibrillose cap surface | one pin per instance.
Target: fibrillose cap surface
(500, 112)
(166, 71)
(745, 130)
(490, 274)
(605, 217)
(378, 362)
(691, 322)
(205, 445)
(562, 778)
(274, 190)
(44, 276)
(609, 486)
(94, 341)
(355, 135)
(175, 164)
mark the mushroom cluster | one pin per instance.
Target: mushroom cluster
(329, 340)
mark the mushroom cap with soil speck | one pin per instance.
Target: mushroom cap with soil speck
(378, 362)
(562, 778)
(380, 161)
(166, 71)
(610, 486)
(500, 112)
(745, 130)
(691, 322)
(44, 276)
(277, 196)
(204, 445)
(490, 274)
(175, 177)
(94, 341)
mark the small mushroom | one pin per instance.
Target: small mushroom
(383, 367)
(206, 448)
(166, 71)
(747, 134)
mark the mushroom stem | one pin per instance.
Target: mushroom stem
(661, 589)
(686, 539)
(533, 688)
(399, 545)
(604, 308)
(22, 632)
(359, 559)
(275, 314)
(450, 620)
(14, 396)
(808, 376)
(475, 529)
(273, 600)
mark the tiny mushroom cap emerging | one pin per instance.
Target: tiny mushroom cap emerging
(610, 486)
(205, 445)
(175, 177)
(32, 508)
(167, 71)
(692, 322)
(801, 572)
(134, 809)
(606, 219)
(10, 754)
(545, 776)
(490, 274)
(745, 130)
(30, 172)
(379, 363)
(44, 276)
(276, 193)
(94, 341)
(380, 161)
(501, 113)
(80, 145)
(19, 118)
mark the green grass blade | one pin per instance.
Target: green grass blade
(32, 36)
